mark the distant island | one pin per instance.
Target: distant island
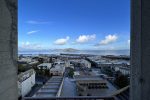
(67, 50)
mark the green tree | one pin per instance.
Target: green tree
(71, 73)
(121, 81)
(21, 68)
(47, 72)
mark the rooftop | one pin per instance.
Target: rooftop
(25, 75)
(58, 67)
(50, 88)
(86, 78)
(45, 64)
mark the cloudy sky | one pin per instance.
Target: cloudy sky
(79, 24)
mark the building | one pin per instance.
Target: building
(59, 62)
(25, 59)
(123, 70)
(76, 73)
(82, 62)
(71, 66)
(90, 85)
(33, 62)
(26, 81)
(65, 62)
(57, 70)
(44, 66)
(86, 63)
(52, 88)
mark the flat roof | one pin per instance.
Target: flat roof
(45, 90)
(44, 95)
(45, 64)
(50, 88)
(96, 78)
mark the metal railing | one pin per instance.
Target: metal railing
(70, 98)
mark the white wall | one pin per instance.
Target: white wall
(123, 71)
(27, 85)
(86, 63)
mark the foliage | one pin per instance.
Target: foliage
(41, 60)
(21, 68)
(47, 73)
(71, 72)
(121, 81)
(108, 71)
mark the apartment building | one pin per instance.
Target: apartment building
(26, 81)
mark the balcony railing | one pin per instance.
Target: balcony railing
(70, 98)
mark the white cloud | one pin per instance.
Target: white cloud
(85, 38)
(108, 39)
(30, 46)
(62, 41)
(36, 22)
(128, 41)
(31, 32)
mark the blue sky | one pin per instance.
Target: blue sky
(79, 24)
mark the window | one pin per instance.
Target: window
(93, 31)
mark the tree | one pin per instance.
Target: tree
(121, 81)
(50, 60)
(47, 72)
(41, 60)
(108, 71)
(21, 68)
(71, 73)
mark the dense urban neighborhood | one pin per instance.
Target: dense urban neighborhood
(71, 75)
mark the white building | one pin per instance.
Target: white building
(57, 70)
(33, 62)
(59, 62)
(86, 63)
(26, 81)
(44, 66)
(28, 60)
(71, 66)
(65, 63)
(123, 70)
(25, 59)
(76, 73)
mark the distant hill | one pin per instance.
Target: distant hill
(67, 50)
(70, 50)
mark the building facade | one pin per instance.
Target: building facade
(57, 70)
(90, 86)
(26, 81)
(44, 66)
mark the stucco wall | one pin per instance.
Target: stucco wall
(8, 50)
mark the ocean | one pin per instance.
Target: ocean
(92, 52)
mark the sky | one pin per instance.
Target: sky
(78, 24)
